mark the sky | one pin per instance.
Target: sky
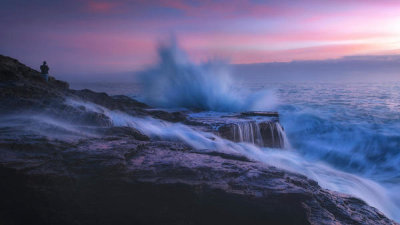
(91, 37)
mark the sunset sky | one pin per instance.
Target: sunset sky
(89, 36)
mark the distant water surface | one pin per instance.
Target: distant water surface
(353, 127)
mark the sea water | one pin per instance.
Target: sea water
(346, 136)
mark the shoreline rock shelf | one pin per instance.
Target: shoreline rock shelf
(264, 134)
(97, 173)
(260, 113)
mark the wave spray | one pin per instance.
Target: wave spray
(176, 82)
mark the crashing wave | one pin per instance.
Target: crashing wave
(176, 82)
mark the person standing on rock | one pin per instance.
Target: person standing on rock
(44, 70)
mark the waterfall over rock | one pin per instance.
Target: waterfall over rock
(259, 128)
(264, 133)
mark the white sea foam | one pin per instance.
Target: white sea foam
(371, 192)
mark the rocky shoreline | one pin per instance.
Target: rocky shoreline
(62, 163)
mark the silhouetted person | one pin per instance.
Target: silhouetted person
(44, 69)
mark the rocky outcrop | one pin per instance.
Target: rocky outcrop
(23, 89)
(89, 171)
(258, 113)
(118, 180)
(264, 134)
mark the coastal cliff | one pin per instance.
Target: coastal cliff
(65, 160)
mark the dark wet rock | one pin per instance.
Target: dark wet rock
(125, 100)
(124, 104)
(229, 131)
(126, 132)
(222, 155)
(126, 181)
(259, 128)
(271, 134)
(265, 133)
(259, 113)
(172, 117)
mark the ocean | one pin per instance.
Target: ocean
(352, 128)
(345, 136)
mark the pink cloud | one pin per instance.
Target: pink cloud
(122, 34)
(219, 9)
(101, 6)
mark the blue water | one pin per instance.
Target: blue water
(354, 127)
(344, 135)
